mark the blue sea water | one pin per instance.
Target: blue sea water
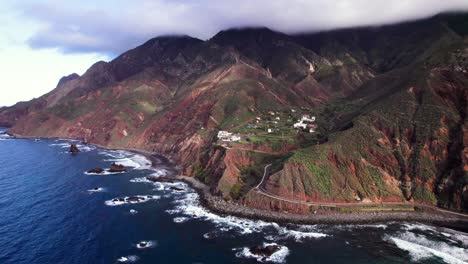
(50, 213)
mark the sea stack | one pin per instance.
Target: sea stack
(96, 171)
(74, 149)
(117, 168)
(265, 251)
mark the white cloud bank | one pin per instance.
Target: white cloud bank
(114, 26)
(45, 40)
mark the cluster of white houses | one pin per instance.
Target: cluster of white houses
(228, 137)
(306, 123)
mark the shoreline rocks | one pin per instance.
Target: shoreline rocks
(117, 168)
(177, 189)
(96, 171)
(161, 179)
(219, 206)
(264, 251)
(74, 149)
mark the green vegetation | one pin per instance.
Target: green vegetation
(71, 110)
(252, 175)
(420, 193)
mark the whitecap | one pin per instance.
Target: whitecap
(160, 186)
(128, 259)
(67, 144)
(180, 220)
(298, 234)
(141, 180)
(146, 244)
(133, 211)
(417, 226)
(5, 136)
(419, 248)
(189, 205)
(277, 257)
(105, 172)
(131, 200)
(128, 159)
(96, 190)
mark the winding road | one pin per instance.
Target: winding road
(259, 189)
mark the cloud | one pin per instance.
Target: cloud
(114, 26)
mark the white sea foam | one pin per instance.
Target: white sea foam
(417, 226)
(188, 204)
(131, 200)
(133, 211)
(66, 145)
(181, 219)
(4, 136)
(105, 172)
(128, 259)
(141, 180)
(128, 159)
(277, 257)
(159, 173)
(146, 244)
(160, 186)
(298, 235)
(96, 190)
(420, 247)
(380, 226)
(461, 237)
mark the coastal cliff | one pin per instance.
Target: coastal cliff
(390, 104)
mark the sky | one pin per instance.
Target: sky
(43, 40)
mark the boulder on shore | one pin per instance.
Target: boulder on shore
(174, 188)
(265, 251)
(117, 168)
(96, 170)
(74, 149)
(135, 199)
(160, 179)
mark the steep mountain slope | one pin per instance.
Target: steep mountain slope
(390, 104)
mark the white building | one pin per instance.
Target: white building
(300, 125)
(227, 137)
(224, 134)
(305, 123)
(235, 138)
(308, 118)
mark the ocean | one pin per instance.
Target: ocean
(52, 211)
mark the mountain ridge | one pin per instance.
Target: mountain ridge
(390, 104)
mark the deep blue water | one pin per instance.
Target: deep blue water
(47, 215)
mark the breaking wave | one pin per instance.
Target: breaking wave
(277, 257)
(128, 259)
(420, 247)
(66, 145)
(96, 190)
(146, 244)
(128, 159)
(131, 200)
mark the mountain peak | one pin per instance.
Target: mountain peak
(67, 78)
(247, 33)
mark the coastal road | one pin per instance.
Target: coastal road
(259, 189)
(265, 173)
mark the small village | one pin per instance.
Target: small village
(271, 126)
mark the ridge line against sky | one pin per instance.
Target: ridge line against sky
(45, 40)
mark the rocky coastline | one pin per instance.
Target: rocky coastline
(219, 206)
